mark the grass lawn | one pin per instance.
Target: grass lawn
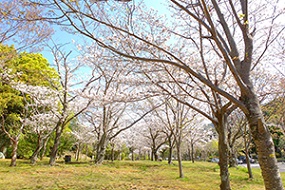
(121, 175)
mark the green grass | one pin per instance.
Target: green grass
(121, 175)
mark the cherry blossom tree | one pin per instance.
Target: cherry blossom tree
(83, 134)
(21, 25)
(116, 95)
(154, 136)
(71, 93)
(205, 32)
(196, 135)
(43, 111)
(19, 68)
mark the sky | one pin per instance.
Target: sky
(62, 37)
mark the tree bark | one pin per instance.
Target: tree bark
(113, 152)
(40, 145)
(232, 157)
(15, 142)
(101, 149)
(169, 161)
(56, 144)
(77, 153)
(264, 143)
(223, 151)
(179, 159)
(192, 152)
(250, 175)
(44, 148)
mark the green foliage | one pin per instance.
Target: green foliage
(27, 145)
(212, 149)
(28, 68)
(274, 111)
(66, 142)
(278, 140)
(35, 70)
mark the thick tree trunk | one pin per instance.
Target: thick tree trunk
(15, 142)
(223, 151)
(101, 149)
(264, 144)
(56, 144)
(154, 156)
(100, 155)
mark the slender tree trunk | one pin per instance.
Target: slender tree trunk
(36, 153)
(264, 143)
(192, 152)
(78, 151)
(189, 152)
(246, 146)
(15, 142)
(250, 176)
(132, 152)
(179, 159)
(223, 151)
(170, 149)
(232, 157)
(152, 156)
(170, 155)
(43, 152)
(112, 153)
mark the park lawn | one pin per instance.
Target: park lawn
(121, 175)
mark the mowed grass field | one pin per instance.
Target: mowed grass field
(121, 175)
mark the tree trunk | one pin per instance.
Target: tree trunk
(15, 142)
(56, 144)
(232, 157)
(250, 176)
(101, 149)
(44, 148)
(36, 153)
(113, 153)
(170, 156)
(179, 159)
(246, 146)
(77, 153)
(223, 151)
(192, 152)
(171, 145)
(189, 152)
(155, 155)
(132, 152)
(263, 141)
(100, 155)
